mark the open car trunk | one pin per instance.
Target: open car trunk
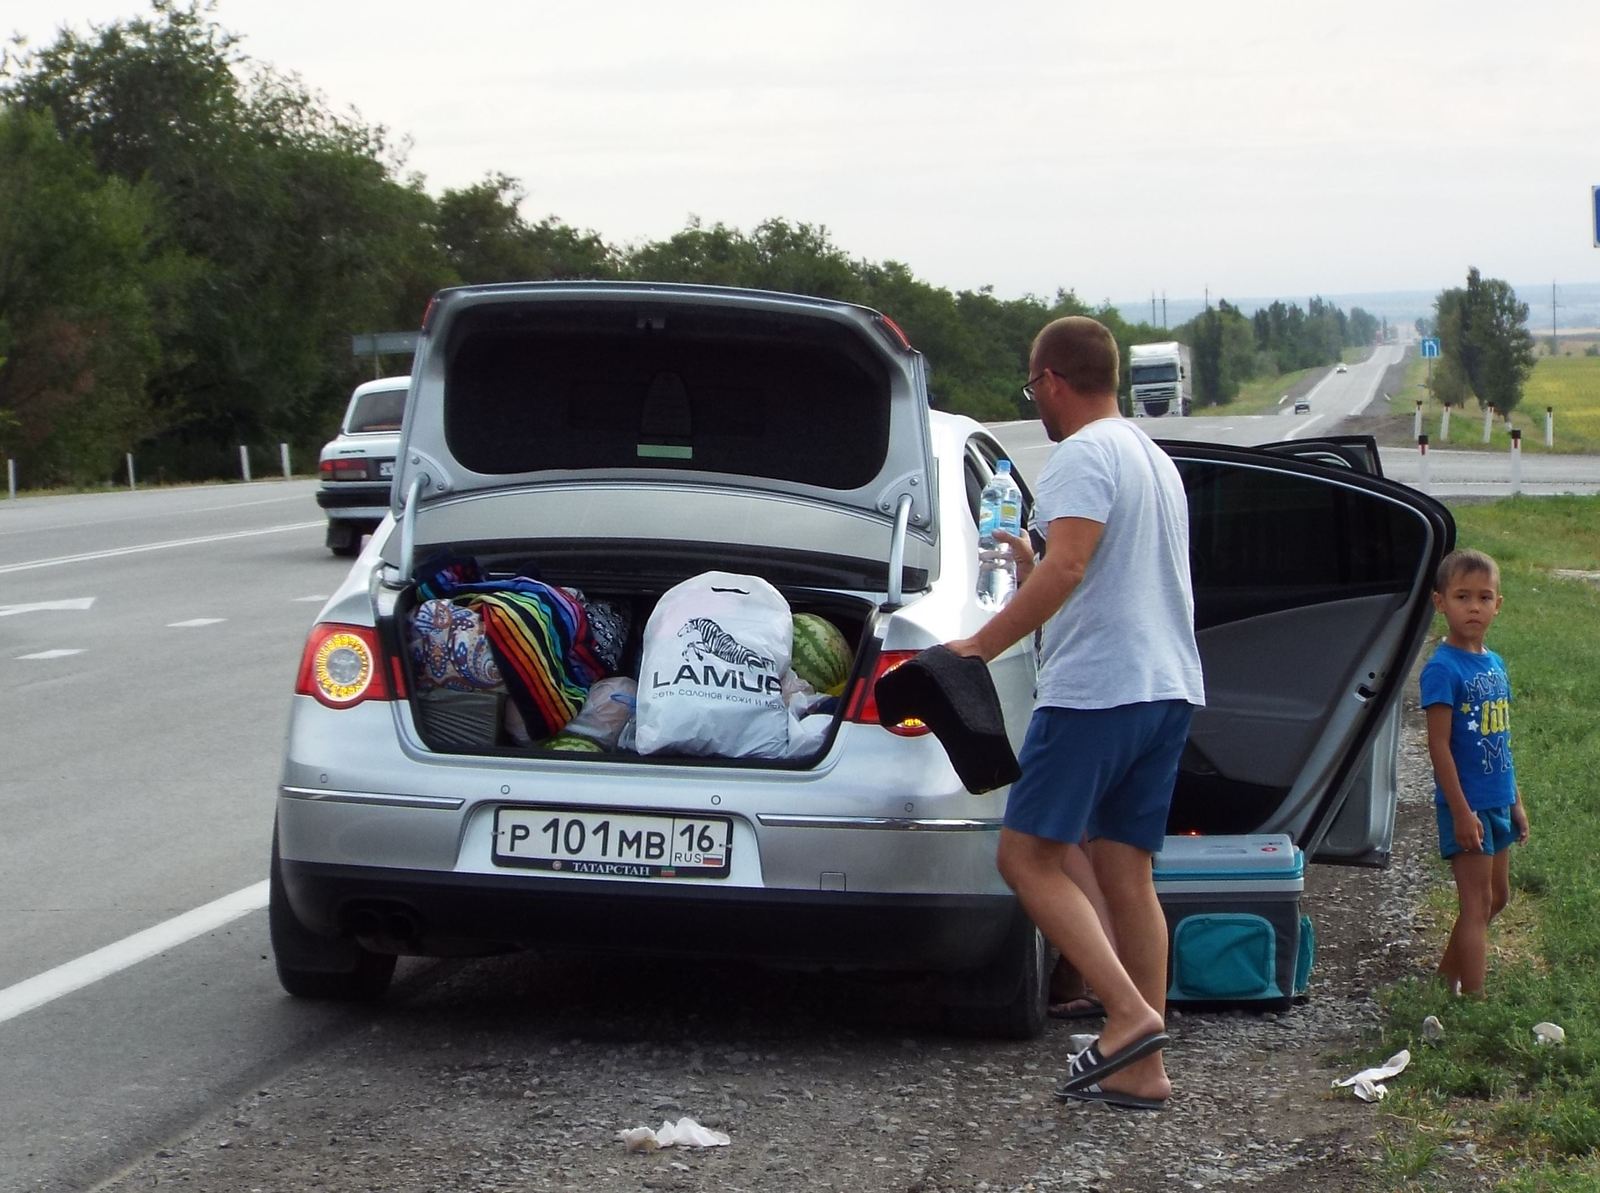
(453, 712)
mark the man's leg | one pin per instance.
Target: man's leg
(1033, 868)
(1124, 873)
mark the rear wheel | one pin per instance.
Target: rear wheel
(1008, 998)
(344, 538)
(312, 966)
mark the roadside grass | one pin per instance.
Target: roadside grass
(1568, 385)
(1529, 1113)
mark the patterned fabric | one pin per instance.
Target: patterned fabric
(610, 622)
(450, 650)
(539, 636)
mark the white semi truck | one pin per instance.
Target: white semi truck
(1160, 379)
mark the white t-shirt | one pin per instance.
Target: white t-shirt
(1126, 634)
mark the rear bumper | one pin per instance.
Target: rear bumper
(367, 503)
(439, 913)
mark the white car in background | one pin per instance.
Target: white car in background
(356, 468)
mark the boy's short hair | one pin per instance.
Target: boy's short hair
(1081, 351)
(1459, 563)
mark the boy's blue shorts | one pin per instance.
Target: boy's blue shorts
(1100, 772)
(1498, 831)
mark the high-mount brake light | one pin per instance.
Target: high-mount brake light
(862, 707)
(344, 665)
(895, 329)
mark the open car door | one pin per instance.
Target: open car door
(1312, 581)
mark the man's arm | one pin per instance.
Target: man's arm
(1071, 544)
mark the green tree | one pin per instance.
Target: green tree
(295, 230)
(482, 233)
(80, 286)
(1496, 348)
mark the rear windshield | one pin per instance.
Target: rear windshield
(739, 392)
(380, 410)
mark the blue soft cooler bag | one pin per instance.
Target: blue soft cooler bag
(1235, 930)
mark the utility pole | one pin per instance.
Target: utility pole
(1554, 345)
(1163, 310)
(1152, 306)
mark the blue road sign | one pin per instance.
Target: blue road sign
(1430, 346)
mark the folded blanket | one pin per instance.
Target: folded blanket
(954, 695)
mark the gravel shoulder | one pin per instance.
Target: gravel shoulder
(516, 1074)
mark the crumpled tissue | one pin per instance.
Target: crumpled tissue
(1432, 1029)
(1368, 1084)
(1549, 1033)
(683, 1133)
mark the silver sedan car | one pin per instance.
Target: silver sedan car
(613, 440)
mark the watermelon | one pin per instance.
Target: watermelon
(574, 743)
(821, 655)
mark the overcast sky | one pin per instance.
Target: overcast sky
(1115, 149)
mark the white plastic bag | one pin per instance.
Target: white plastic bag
(605, 711)
(716, 648)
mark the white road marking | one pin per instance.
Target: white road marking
(34, 992)
(50, 654)
(7, 569)
(46, 606)
(195, 621)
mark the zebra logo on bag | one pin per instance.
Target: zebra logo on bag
(708, 644)
(708, 639)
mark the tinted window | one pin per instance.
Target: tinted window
(771, 398)
(1262, 540)
(381, 410)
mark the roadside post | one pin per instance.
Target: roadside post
(1488, 420)
(283, 454)
(1444, 426)
(1516, 461)
(11, 477)
(244, 462)
(1549, 426)
(1422, 462)
(131, 485)
(1416, 419)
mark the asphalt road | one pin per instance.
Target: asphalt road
(148, 646)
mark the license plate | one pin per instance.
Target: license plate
(613, 844)
(385, 469)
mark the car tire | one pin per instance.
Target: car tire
(344, 539)
(1008, 998)
(312, 966)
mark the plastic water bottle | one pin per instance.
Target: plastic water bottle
(1000, 508)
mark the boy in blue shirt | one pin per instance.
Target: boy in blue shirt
(1467, 699)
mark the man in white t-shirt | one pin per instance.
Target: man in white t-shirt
(1119, 679)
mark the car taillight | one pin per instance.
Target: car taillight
(344, 470)
(344, 665)
(862, 707)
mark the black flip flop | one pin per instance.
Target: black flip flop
(1110, 1097)
(1090, 1065)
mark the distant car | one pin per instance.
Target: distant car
(356, 468)
(1340, 368)
(620, 438)
(1302, 405)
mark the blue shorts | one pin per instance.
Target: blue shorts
(1498, 831)
(1089, 773)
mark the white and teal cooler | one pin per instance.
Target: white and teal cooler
(1234, 928)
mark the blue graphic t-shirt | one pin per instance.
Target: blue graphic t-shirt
(1479, 694)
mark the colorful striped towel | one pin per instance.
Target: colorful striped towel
(540, 638)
